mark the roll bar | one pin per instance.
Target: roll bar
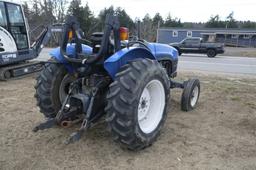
(111, 24)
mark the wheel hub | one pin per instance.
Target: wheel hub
(194, 96)
(144, 104)
(64, 86)
(151, 106)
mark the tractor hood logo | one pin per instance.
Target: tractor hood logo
(7, 57)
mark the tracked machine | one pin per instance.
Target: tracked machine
(16, 51)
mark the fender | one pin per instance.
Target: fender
(70, 50)
(122, 57)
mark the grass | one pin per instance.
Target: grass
(243, 52)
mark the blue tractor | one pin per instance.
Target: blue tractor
(128, 81)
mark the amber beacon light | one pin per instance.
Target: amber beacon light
(70, 35)
(124, 33)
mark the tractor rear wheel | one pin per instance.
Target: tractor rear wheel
(137, 103)
(51, 88)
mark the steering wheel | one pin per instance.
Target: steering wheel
(140, 42)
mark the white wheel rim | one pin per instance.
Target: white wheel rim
(151, 106)
(194, 96)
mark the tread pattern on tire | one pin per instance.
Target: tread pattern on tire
(47, 94)
(185, 99)
(123, 99)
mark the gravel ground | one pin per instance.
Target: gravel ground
(219, 134)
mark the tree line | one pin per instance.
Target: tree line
(45, 12)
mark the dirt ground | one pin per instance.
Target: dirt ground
(219, 134)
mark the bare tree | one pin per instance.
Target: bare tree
(59, 9)
(147, 28)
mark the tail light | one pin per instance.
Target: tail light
(70, 35)
(124, 33)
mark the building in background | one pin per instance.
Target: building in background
(230, 37)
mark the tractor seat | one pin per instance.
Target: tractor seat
(96, 39)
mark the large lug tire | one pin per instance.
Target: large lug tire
(211, 53)
(51, 88)
(137, 103)
(190, 95)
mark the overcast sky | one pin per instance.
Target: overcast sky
(186, 10)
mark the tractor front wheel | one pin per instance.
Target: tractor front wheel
(190, 95)
(137, 103)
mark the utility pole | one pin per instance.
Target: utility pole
(158, 26)
(226, 34)
(139, 31)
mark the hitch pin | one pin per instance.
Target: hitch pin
(69, 123)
